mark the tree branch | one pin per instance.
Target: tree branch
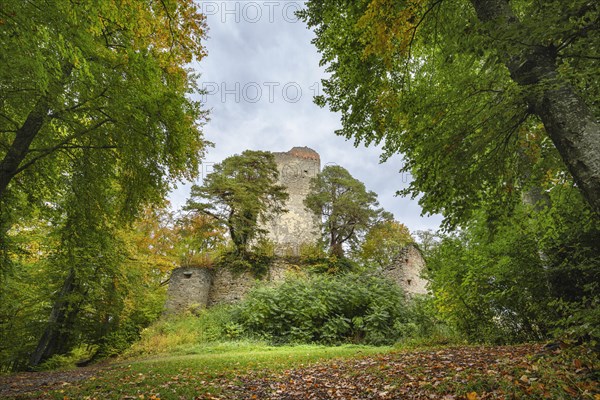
(61, 145)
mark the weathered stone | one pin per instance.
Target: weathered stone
(230, 287)
(406, 271)
(298, 226)
(189, 287)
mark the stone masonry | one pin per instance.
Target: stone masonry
(195, 287)
(298, 226)
(189, 287)
(406, 271)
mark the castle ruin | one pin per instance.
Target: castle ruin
(298, 226)
(195, 287)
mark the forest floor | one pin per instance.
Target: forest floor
(315, 372)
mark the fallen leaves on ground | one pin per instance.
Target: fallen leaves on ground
(470, 373)
(24, 382)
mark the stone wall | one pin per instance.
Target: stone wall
(230, 287)
(289, 231)
(198, 287)
(188, 287)
(406, 271)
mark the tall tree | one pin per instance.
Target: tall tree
(95, 121)
(464, 88)
(86, 259)
(347, 208)
(242, 193)
(102, 76)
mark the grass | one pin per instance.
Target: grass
(205, 373)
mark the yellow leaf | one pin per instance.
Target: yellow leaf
(472, 396)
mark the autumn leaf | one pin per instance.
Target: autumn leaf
(472, 396)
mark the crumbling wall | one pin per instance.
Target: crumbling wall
(298, 226)
(406, 271)
(230, 287)
(188, 287)
(200, 287)
(197, 287)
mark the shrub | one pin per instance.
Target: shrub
(326, 309)
(181, 333)
(257, 261)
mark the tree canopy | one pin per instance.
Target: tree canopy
(532, 275)
(484, 98)
(383, 243)
(347, 208)
(242, 193)
(98, 76)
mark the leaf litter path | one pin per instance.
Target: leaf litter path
(452, 373)
(26, 382)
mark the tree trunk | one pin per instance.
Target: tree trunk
(337, 250)
(570, 123)
(19, 148)
(55, 339)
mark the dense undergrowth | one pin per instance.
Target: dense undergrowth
(322, 309)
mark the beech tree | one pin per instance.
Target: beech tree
(102, 76)
(472, 93)
(241, 194)
(347, 208)
(95, 123)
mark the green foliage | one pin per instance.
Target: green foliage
(524, 276)
(96, 123)
(331, 264)
(65, 361)
(256, 261)
(102, 286)
(182, 334)
(326, 309)
(315, 259)
(24, 304)
(99, 77)
(347, 208)
(425, 327)
(241, 194)
(197, 240)
(382, 243)
(429, 80)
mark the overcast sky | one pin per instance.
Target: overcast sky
(261, 74)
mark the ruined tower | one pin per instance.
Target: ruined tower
(289, 231)
(196, 287)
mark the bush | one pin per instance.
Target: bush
(326, 309)
(257, 261)
(184, 333)
(528, 276)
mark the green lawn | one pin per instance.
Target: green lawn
(208, 372)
